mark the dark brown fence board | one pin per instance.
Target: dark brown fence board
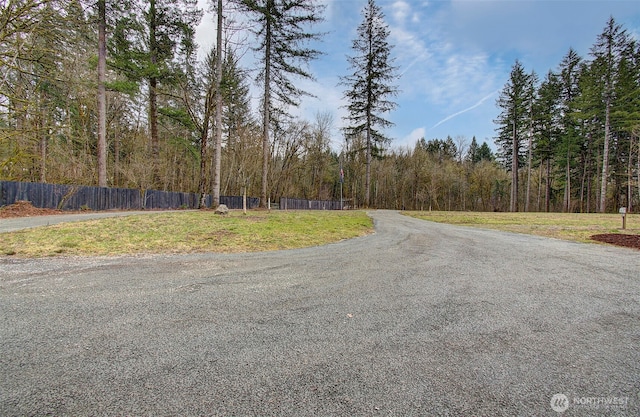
(235, 202)
(302, 204)
(76, 197)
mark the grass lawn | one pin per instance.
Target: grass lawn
(187, 232)
(568, 226)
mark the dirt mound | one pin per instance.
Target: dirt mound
(24, 209)
(630, 241)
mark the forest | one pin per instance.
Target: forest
(115, 95)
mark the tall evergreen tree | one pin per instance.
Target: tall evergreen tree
(370, 86)
(569, 89)
(546, 129)
(625, 116)
(102, 93)
(531, 115)
(514, 102)
(283, 43)
(237, 121)
(218, 126)
(478, 153)
(606, 52)
(472, 152)
(484, 153)
(236, 98)
(145, 45)
(589, 115)
(107, 14)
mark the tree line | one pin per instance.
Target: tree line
(114, 94)
(575, 135)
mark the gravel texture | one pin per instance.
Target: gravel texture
(418, 319)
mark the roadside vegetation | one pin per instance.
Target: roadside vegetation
(567, 138)
(188, 232)
(568, 226)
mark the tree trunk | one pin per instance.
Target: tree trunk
(514, 171)
(547, 191)
(539, 197)
(102, 99)
(367, 176)
(218, 149)
(204, 145)
(153, 100)
(583, 183)
(116, 156)
(605, 155)
(266, 111)
(153, 130)
(567, 187)
(530, 156)
(44, 132)
(630, 177)
(592, 184)
(526, 202)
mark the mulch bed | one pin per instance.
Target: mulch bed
(25, 209)
(630, 241)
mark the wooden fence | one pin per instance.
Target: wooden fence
(301, 204)
(77, 197)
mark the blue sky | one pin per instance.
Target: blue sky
(454, 56)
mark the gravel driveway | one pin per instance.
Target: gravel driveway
(418, 319)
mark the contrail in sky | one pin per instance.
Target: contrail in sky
(479, 103)
(420, 57)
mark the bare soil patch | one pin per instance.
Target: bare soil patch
(629, 241)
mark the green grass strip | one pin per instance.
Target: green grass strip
(188, 232)
(568, 226)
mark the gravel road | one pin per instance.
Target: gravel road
(418, 319)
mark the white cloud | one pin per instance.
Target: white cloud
(408, 48)
(413, 137)
(206, 31)
(400, 11)
(406, 43)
